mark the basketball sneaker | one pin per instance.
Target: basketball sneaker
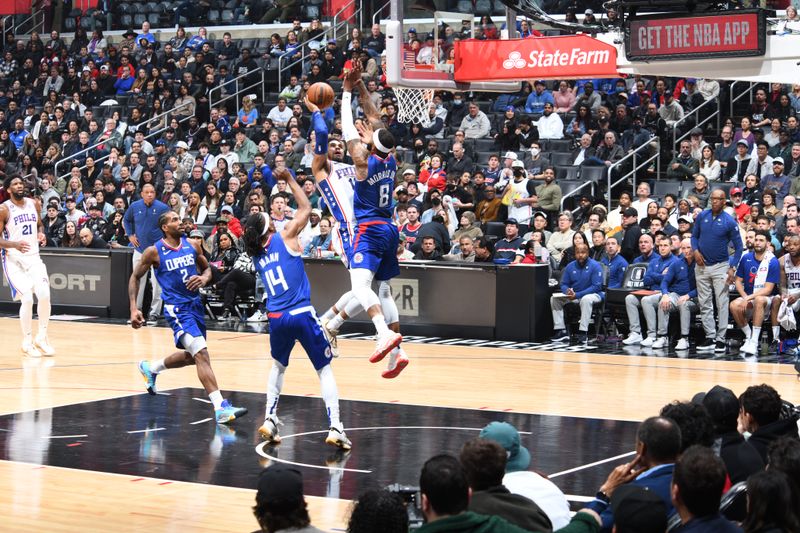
(228, 413)
(330, 335)
(398, 360)
(30, 350)
(336, 437)
(385, 344)
(44, 346)
(149, 377)
(269, 429)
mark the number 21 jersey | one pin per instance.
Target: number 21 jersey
(21, 225)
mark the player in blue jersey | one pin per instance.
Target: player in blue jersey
(276, 257)
(336, 182)
(181, 269)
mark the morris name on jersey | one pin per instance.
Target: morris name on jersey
(382, 175)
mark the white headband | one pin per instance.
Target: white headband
(377, 142)
(266, 223)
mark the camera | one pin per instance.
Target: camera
(412, 498)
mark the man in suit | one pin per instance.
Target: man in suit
(584, 151)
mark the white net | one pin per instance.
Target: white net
(412, 104)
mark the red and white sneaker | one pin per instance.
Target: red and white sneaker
(398, 360)
(385, 344)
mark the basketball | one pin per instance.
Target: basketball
(321, 94)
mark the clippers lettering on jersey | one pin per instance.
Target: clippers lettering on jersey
(179, 262)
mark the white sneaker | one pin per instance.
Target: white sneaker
(750, 347)
(269, 430)
(44, 346)
(330, 335)
(384, 344)
(258, 316)
(682, 345)
(648, 341)
(633, 338)
(398, 360)
(660, 342)
(336, 437)
(30, 350)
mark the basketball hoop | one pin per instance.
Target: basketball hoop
(412, 104)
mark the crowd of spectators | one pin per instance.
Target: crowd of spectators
(714, 464)
(480, 180)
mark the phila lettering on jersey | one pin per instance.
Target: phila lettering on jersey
(21, 225)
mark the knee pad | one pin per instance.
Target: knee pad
(192, 344)
(361, 280)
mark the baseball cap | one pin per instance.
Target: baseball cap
(691, 80)
(742, 141)
(636, 508)
(181, 144)
(408, 171)
(588, 12)
(630, 212)
(511, 155)
(161, 142)
(196, 233)
(70, 199)
(511, 221)
(736, 190)
(685, 219)
(412, 30)
(95, 206)
(104, 67)
(697, 131)
(226, 209)
(507, 436)
(223, 142)
(777, 160)
(509, 108)
(280, 485)
(721, 403)
(317, 212)
(540, 214)
(517, 164)
(539, 82)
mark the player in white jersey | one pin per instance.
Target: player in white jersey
(790, 284)
(336, 182)
(22, 234)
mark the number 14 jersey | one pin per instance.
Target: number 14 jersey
(284, 276)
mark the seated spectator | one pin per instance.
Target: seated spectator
(658, 442)
(760, 415)
(755, 291)
(550, 125)
(467, 227)
(428, 250)
(761, 165)
(736, 166)
(475, 124)
(484, 462)
(445, 500)
(280, 504)
(770, 505)
(519, 480)
(683, 166)
(507, 247)
(582, 283)
(484, 250)
(654, 278)
(538, 98)
(466, 251)
(247, 117)
(90, 240)
(488, 209)
(697, 485)
(378, 510)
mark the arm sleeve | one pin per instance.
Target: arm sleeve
(321, 132)
(348, 126)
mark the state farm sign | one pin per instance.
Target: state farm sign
(569, 56)
(738, 34)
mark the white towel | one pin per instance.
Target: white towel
(786, 316)
(763, 269)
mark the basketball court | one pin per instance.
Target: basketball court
(82, 446)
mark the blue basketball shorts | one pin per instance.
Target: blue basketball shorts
(375, 248)
(186, 318)
(300, 324)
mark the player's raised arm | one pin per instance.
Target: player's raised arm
(301, 214)
(319, 164)
(149, 259)
(367, 105)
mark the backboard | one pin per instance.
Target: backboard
(402, 70)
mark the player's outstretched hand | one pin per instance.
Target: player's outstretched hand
(364, 131)
(311, 106)
(194, 283)
(137, 319)
(352, 77)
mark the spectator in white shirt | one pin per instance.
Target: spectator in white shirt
(476, 124)
(550, 126)
(280, 114)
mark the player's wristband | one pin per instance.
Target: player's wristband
(321, 132)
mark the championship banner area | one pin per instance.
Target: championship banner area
(568, 56)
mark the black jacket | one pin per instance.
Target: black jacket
(765, 435)
(517, 509)
(438, 232)
(740, 457)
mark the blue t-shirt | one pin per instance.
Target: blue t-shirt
(748, 271)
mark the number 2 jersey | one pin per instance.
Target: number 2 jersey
(21, 225)
(373, 196)
(284, 276)
(175, 267)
